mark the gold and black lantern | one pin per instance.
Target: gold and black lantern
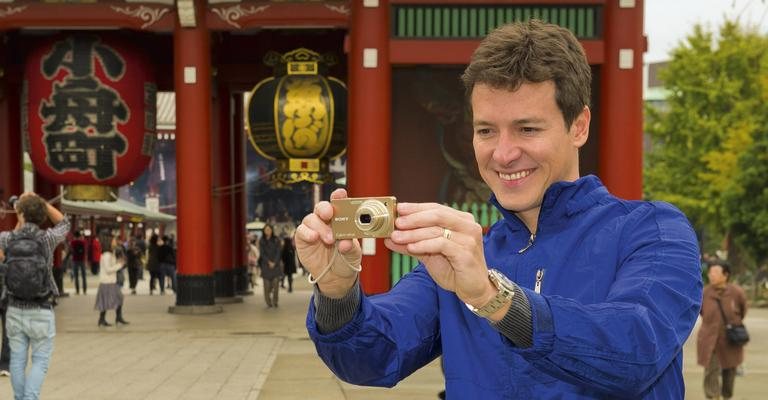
(298, 117)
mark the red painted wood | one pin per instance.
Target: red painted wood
(236, 16)
(621, 108)
(222, 175)
(460, 51)
(193, 143)
(11, 175)
(370, 92)
(122, 15)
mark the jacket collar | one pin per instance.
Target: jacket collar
(28, 227)
(562, 199)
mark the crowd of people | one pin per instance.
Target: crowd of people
(82, 253)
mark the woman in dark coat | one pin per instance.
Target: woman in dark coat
(714, 352)
(270, 265)
(153, 265)
(166, 256)
(289, 262)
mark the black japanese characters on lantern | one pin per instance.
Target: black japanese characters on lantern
(90, 112)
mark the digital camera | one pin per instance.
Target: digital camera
(363, 217)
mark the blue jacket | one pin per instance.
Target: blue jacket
(620, 290)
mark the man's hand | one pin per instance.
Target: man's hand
(315, 247)
(53, 213)
(449, 243)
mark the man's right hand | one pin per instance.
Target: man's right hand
(315, 246)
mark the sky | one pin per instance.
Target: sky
(667, 22)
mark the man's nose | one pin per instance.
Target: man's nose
(508, 149)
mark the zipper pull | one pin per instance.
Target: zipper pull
(530, 243)
(539, 279)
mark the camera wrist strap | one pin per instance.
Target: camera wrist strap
(328, 267)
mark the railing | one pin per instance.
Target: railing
(476, 21)
(484, 213)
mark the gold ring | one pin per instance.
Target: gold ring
(447, 233)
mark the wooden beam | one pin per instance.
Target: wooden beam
(460, 51)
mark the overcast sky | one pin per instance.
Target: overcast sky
(667, 22)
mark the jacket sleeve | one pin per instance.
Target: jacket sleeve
(622, 345)
(389, 338)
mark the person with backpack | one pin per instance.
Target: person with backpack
(5, 350)
(30, 289)
(77, 248)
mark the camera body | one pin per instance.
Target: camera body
(12, 201)
(363, 217)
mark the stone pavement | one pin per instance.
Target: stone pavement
(249, 352)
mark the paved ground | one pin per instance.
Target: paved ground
(248, 352)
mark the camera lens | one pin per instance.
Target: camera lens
(371, 216)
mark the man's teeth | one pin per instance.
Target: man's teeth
(514, 176)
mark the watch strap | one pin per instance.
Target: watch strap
(504, 296)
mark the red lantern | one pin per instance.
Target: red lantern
(89, 112)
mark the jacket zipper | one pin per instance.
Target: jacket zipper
(528, 246)
(539, 279)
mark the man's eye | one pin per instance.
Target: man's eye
(482, 131)
(529, 130)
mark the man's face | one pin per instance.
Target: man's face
(716, 275)
(522, 145)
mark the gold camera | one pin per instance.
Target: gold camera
(363, 217)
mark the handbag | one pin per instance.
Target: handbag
(737, 335)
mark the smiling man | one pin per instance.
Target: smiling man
(575, 294)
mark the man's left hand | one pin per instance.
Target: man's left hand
(450, 245)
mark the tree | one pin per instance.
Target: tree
(709, 153)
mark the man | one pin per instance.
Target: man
(575, 294)
(721, 300)
(5, 350)
(30, 322)
(77, 248)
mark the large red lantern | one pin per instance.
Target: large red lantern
(88, 113)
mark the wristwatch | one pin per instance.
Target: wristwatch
(506, 292)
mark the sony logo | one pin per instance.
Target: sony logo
(341, 219)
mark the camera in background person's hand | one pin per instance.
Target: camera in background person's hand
(12, 201)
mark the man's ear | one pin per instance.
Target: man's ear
(580, 128)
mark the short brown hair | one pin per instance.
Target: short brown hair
(534, 52)
(34, 209)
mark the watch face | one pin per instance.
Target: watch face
(498, 278)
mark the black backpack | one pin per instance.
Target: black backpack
(27, 276)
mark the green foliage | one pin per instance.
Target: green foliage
(709, 152)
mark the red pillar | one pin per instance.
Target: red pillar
(222, 159)
(368, 172)
(11, 174)
(192, 83)
(242, 284)
(621, 97)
